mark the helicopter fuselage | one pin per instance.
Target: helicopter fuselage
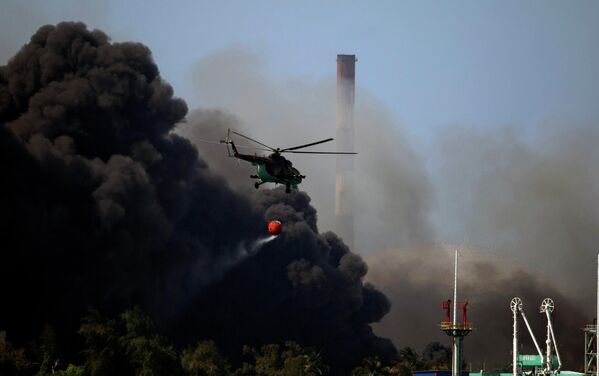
(273, 169)
(273, 172)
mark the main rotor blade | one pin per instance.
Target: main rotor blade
(306, 145)
(251, 147)
(251, 139)
(318, 152)
(238, 146)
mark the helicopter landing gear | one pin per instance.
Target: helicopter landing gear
(258, 184)
(287, 188)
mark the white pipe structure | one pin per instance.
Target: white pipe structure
(597, 323)
(559, 360)
(532, 336)
(548, 350)
(456, 363)
(455, 288)
(515, 305)
(547, 307)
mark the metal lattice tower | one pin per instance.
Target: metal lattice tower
(590, 349)
(591, 344)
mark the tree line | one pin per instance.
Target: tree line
(130, 345)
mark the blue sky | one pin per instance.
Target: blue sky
(432, 63)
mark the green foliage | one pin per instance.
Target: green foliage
(371, 366)
(103, 350)
(48, 350)
(204, 360)
(13, 361)
(137, 324)
(129, 346)
(150, 356)
(435, 356)
(409, 361)
(147, 351)
(266, 360)
(298, 361)
(71, 371)
(294, 360)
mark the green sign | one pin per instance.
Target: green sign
(534, 361)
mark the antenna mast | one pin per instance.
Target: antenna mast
(451, 327)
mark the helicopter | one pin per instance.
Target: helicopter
(274, 168)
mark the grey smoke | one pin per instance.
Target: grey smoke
(392, 193)
(104, 206)
(206, 127)
(417, 281)
(527, 201)
(522, 210)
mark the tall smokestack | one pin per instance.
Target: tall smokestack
(344, 192)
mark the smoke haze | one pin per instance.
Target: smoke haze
(104, 206)
(488, 283)
(521, 211)
(528, 201)
(521, 205)
(107, 204)
(392, 193)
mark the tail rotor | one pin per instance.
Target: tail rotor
(228, 142)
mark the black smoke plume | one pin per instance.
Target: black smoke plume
(102, 205)
(488, 283)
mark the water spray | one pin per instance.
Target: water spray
(259, 243)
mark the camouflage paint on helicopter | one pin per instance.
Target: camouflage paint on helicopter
(275, 168)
